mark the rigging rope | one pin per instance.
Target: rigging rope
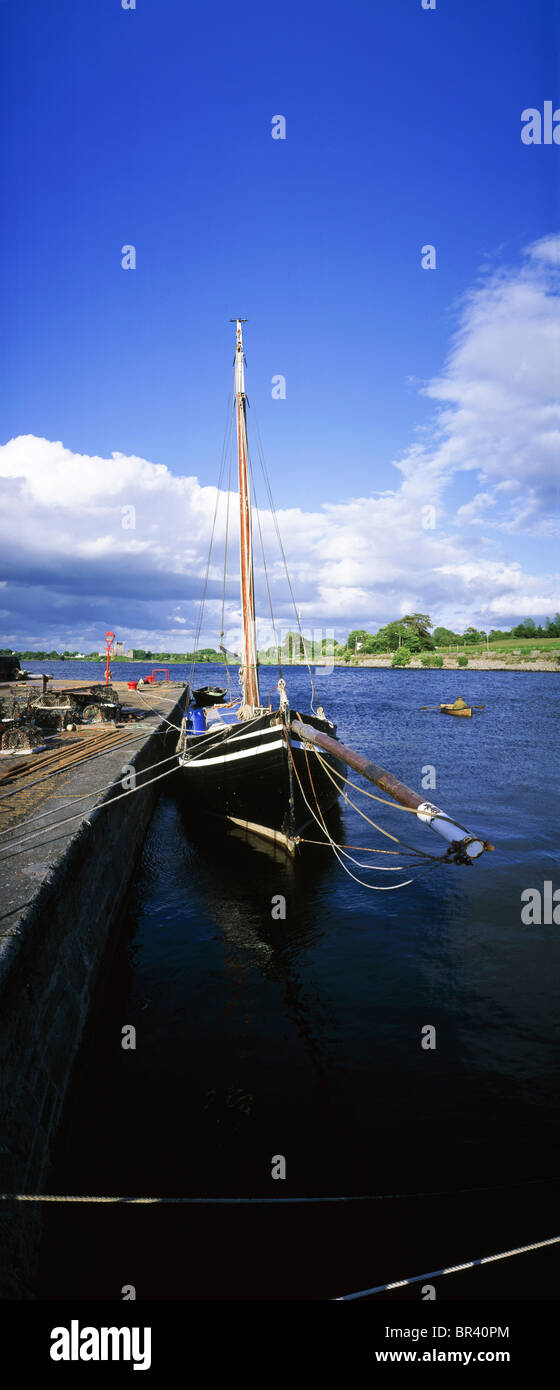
(260, 452)
(222, 631)
(416, 852)
(373, 887)
(394, 805)
(258, 515)
(227, 434)
(228, 444)
(422, 853)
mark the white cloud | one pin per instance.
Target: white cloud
(547, 249)
(488, 465)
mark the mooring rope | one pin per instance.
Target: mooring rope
(77, 762)
(214, 736)
(337, 1198)
(448, 1269)
(9, 850)
(43, 815)
(158, 712)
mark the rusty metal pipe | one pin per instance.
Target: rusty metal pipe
(467, 846)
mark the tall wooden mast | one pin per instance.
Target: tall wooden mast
(249, 672)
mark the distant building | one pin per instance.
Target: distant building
(117, 650)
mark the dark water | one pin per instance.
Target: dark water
(302, 1037)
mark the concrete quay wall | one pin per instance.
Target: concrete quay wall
(51, 954)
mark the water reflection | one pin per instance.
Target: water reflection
(239, 899)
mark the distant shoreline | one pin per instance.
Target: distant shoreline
(539, 664)
(451, 664)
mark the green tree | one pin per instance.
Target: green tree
(293, 647)
(421, 624)
(380, 642)
(411, 631)
(413, 641)
(444, 637)
(394, 634)
(527, 628)
(357, 635)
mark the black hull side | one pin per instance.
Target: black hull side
(251, 778)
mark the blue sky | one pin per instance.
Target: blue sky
(153, 127)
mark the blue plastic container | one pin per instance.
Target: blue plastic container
(198, 721)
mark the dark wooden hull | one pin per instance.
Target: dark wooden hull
(253, 777)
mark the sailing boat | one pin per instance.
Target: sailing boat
(240, 760)
(267, 771)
